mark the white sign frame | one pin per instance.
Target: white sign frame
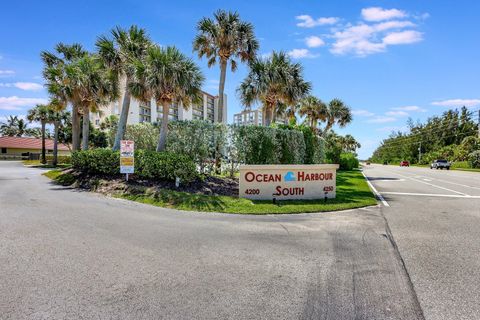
(127, 151)
(288, 182)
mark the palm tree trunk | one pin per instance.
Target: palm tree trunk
(268, 115)
(44, 158)
(162, 139)
(85, 128)
(75, 128)
(221, 88)
(55, 143)
(122, 122)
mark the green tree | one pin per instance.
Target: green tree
(272, 82)
(223, 40)
(59, 82)
(167, 76)
(14, 127)
(97, 86)
(335, 113)
(120, 53)
(58, 117)
(311, 108)
(40, 114)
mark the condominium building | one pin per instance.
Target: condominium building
(149, 112)
(254, 117)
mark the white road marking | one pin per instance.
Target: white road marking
(432, 195)
(458, 184)
(379, 196)
(431, 184)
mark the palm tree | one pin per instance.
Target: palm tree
(336, 113)
(169, 77)
(14, 127)
(58, 117)
(222, 40)
(119, 54)
(312, 108)
(272, 82)
(40, 114)
(349, 144)
(96, 85)
(59, 81)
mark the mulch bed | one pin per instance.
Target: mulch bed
(211, 185)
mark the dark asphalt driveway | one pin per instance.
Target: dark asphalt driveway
(66, 254)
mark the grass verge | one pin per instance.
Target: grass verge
(352, 192)
(38, 164)
(60, 177)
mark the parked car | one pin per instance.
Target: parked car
(440, 164)
(404, 164)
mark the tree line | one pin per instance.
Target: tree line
(452, 136)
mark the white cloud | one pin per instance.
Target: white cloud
(396, 113)
(395, 24)
(314, 42)
(6, 73)
(309, 22)
(16, 103)
(380, 14)
(27, 86)
(364, 113)
(381, 119)
(410, 108)
(403, 37)
(457, 103)
(301, 53)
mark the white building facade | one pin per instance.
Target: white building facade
(140, 112)
(254, 117)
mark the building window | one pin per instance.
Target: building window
(4, 150)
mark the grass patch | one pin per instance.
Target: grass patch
(60, 177)
(38, 164)
(352, 192)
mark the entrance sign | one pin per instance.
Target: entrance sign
(127, 160)
(288, 182)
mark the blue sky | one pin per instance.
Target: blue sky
(387, 60)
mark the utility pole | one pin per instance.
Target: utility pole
(420, 152)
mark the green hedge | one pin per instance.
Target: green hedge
(97, 161)
(348, 161)
(148, 164)
(164, 166)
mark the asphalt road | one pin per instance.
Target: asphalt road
(434, 216)
(66, 254)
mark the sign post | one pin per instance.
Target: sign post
(288, 182)
(127, 159)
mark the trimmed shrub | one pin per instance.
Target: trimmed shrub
(144, 134)
(164, 166)
(97, 161)
(474, 159)
(348, 161)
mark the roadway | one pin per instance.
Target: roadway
(434, 216)
(68, 254)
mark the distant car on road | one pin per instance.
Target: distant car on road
(368, 163)
(385, 163)
(404, 164)
(440, 164)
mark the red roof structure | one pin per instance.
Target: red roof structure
(29, 143)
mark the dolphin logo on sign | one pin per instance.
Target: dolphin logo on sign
(289, 176)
